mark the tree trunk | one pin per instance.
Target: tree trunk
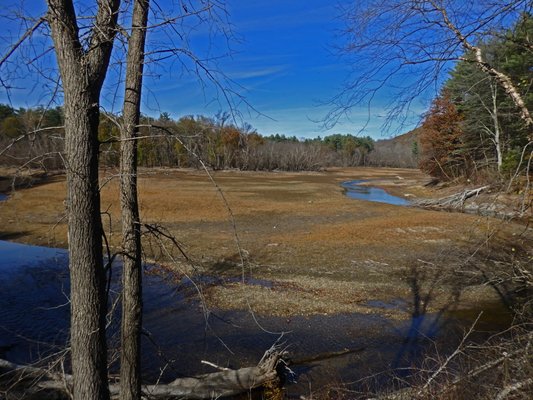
(497, 130)
(87, 276)
(209, 386)
(507, 85)
(131, 324)
(82, 74)
(482, 64)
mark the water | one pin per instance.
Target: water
(35, 314)
(355, 190)
(34, 322)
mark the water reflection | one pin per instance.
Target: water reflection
(355, 190)
(34, 321)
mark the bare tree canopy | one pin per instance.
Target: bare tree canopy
(188, 41)
(405, 48)
(87, 38)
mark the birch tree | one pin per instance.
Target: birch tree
(407, 47)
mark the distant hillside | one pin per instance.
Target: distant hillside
(401, 151)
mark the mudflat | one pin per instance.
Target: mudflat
(286, 244)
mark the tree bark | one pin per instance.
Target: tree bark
(497, 131)
(482, 63)
(131, 324)
(82, 74)
(208, 386)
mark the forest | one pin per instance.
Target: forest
(472, 131)
(34, 139)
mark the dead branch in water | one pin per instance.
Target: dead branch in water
(218, 384)
(324, 356)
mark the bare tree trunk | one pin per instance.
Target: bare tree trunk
(499, 76)
(82, 74)
(497, 130)
(130, 379)
(507, 85)
(87, 277)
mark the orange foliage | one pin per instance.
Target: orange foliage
(440, 138)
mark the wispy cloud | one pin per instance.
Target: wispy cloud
(305, 122)
(282, 18)
(258, 73)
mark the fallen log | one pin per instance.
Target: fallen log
(223, 383)
(457, 202)
(218, 384)
(453, 202)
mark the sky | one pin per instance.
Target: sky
(285, 64)
(289, 68)
(282, 60)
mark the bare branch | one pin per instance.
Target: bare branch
(406, 48)
(25, 36)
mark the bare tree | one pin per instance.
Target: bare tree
(83, 67)
(408, 46)
(130, 377)
(495, 131)
(83, 40)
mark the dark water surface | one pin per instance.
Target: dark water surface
(35, 313)
(355, 190)
(34, 321)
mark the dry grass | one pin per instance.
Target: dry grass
(327, 253)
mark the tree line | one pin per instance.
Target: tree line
(35, 138)
(473, 129)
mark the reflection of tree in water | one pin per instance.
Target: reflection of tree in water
(423, 328)
(490, 359)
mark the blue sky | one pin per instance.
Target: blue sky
(287, 65)
(283, 61)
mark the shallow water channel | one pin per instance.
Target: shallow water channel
(355, 190)
(34, 322)
(35, 313)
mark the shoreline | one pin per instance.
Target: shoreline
(297, 230)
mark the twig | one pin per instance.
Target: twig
(215, 366)
(456, 352)
(26, 35)
(511, 388)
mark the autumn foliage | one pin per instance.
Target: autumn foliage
(440, 138)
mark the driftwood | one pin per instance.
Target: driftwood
(457, 202)
(454, 202)
(218, 384)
